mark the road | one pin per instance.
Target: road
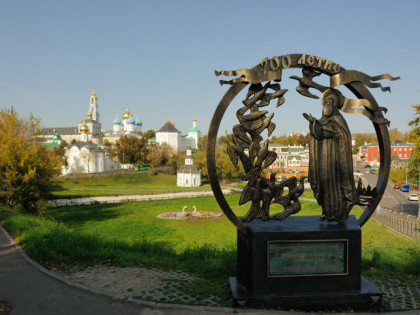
(393, 198)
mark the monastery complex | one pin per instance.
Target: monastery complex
(86, 154)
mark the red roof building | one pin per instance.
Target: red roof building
(370, 152)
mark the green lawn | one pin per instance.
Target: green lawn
(122, 184)
(135, 224)
(130, 234)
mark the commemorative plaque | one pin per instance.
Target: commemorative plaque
(303, 262)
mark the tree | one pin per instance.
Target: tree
(176, 160)
(292, 140)
(224, 166)
(414, 137)
(159, 155)
(164, 155)
(87, 156)
(149, 134)
(362, 138)
(200, 158)
(61, 151)
(107, 144)
(26, 167)
(202, 143)
(228, 138)
(129, 150)
(396, 136)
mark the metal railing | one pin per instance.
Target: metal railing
(405, 224)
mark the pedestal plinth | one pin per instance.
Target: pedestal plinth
(302, 262)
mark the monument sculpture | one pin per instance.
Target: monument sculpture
(301, 261)
(330, 159)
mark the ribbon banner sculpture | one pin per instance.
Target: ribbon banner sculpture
(330, 160)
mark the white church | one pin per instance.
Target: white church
(126, 126)
(87, 155)
(188, 174)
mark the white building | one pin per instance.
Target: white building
(188, 175)
(289, 157)
(126, 125)
(170, 135)
(94, 132)
(86, 157)
(195, 134)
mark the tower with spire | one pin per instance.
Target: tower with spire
(94, 127)
(93, 106)
(194, 133)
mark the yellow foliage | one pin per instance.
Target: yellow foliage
(26, 167)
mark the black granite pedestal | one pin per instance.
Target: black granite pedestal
(302, 262)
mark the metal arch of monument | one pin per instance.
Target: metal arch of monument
(268, 251)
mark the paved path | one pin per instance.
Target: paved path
(117, 199)
(33, 290)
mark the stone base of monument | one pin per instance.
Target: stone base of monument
(302, 262)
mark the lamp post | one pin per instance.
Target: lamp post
(401, 174)
(123, 160)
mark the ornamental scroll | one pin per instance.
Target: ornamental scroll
(330, 167)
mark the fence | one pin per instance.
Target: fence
(404, 224)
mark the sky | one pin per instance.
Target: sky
(158, 57)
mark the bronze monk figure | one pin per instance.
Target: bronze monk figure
(330, 159)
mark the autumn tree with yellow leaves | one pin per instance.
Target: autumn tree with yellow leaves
(27, 168)
(414, 137)
(224, 166)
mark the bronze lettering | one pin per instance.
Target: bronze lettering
(328, 64)
(311, 60)
(320, 61)
(286, 61)
(264, 64)
(302, 60)
(274, 63)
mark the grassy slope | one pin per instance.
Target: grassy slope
(123, 184)
(130, 234)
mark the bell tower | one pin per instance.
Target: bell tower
(93, 106)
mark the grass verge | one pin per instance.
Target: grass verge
(121, 184)
(130, 234)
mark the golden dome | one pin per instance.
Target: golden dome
(195, 119)
(93, 94)
(90, 115)
(126, 115)
(84, 128)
